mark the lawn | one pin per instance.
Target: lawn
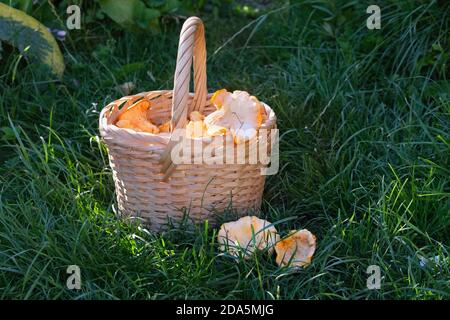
(364, 164)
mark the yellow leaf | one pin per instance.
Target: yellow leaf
(23, 31)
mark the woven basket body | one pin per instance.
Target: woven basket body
(147, 184)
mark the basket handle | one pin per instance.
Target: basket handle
(191, 46)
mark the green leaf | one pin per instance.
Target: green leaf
(155, 3)
(23, 31)
(121, 12)
(147, 18)
(130, 13)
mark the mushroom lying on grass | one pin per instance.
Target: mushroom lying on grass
(296, 249)
(247, 234)
(250, 233)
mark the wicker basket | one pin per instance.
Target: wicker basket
(147, 183)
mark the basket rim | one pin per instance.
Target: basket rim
(114, 132)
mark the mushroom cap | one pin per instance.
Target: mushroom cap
(196, 128)
(298, 248)
(247, 234)
(135, 117)
(165, 127)
(196, 116)
(237, 113)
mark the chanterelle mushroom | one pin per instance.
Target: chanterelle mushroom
(196, 128)
(135, 117)
(246, 234)
(298, 247)
(237, 112)
(165, 127)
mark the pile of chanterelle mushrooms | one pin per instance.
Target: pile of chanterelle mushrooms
(237, 113)
(244, 236)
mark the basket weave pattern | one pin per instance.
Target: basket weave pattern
(147, 183)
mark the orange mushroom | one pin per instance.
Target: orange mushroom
(135, 117)
(165, 127)
(196, 128)
(237, 113)
(297, 248)
(247, 234)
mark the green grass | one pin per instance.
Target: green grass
(364, 118)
